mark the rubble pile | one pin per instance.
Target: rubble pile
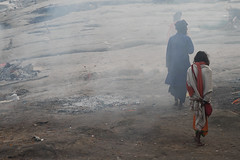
(13, 72)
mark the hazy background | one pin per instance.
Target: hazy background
(114, 47)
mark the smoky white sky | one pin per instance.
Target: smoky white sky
(72, 26)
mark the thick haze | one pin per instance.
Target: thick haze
(108, 47)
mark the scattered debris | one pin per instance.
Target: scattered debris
(40, 123)
(236, 101)
(37, 139)
(11, 98)
(5, 101)
(21, 92)
(12, 72)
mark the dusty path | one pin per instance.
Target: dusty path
(127, 132)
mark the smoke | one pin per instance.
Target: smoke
(106, 47)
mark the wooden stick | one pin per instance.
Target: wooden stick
(22, 81)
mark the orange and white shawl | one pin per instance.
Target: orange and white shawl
(201, 90)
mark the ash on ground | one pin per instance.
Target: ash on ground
(88, 104)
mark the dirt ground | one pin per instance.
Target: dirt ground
(100, 92)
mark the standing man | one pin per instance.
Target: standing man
(177, 61)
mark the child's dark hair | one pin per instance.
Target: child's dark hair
(201, 56)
